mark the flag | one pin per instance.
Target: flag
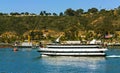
(109, 36)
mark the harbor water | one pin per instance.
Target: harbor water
(30, 61)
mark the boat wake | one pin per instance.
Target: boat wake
(114, 56)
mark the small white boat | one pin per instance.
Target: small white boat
(25, 44)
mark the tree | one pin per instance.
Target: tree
(78, 12)
(26, 13)
(49, 14)
(69, 12)
(41, 13)
(22, 13)
(61, 14)
(93, 10)
(54, 14)
(1, 13)
(103, 11)
(14, 13)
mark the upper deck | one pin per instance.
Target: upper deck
(74, 46)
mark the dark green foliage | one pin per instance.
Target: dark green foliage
(69, 12)
(93, 10)
(105, 26)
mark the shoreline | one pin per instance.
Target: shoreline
(8, 45)
(5, 45)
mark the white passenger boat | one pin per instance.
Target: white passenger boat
(73, 50)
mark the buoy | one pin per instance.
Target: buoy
(15, 49)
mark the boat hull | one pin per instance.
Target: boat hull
(74, 54)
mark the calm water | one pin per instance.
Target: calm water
(30, 61)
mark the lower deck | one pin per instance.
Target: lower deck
(73, 54)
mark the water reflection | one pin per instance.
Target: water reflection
(26, 49)
(91, 64)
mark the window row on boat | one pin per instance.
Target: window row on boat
(74, 47)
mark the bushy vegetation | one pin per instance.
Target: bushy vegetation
(102, 22)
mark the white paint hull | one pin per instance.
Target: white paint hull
(74, 54)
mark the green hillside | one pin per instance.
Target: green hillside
(70, 22)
